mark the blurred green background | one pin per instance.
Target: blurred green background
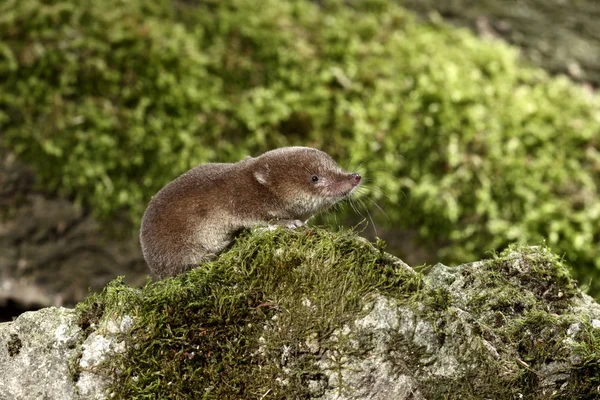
(465, 146)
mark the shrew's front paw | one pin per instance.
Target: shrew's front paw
(288, 223)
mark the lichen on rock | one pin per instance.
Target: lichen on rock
(308, 313)
(38, 367)
(48, 356)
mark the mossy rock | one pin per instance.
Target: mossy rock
(314, 314)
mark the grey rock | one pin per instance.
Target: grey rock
(39, 367)
(46, 355)
(472, 329)
(570, 47)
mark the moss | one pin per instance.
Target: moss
(587, 372)
(75, 369)
(14, 345)
(208, 331)
(90, 313)
(520, 304)
(521, 279)
(539, 270)
(438, 299)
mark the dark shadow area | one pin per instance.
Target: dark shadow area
(10, 309)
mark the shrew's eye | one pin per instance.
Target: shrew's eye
(314, 179)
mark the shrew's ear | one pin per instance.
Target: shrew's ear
(262, 174)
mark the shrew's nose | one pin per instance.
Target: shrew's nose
(356, 178)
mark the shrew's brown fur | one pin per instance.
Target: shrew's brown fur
(195, 216)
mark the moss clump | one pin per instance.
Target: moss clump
(14, 345)
(521, 279)
(205, 333)
(521, 304)
(539, 271)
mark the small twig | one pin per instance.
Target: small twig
(527, 367)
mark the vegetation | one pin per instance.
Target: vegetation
(110, 100)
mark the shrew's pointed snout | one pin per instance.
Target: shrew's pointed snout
(355, 178)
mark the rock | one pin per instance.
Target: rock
(38, 349)
(46, 355)
(312, 314)
(570, 47)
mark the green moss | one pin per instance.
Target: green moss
(438, 299)
(206, 333)
(521, 279)
(14, 345)
(520, 303)
(539, 270)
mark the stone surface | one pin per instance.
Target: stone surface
(374, 376)
(560, 36)
(39, 366)
(45, 355)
